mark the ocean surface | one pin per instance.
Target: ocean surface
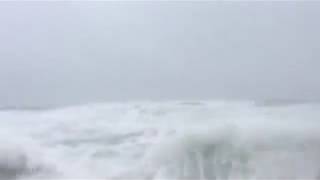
(162, 140)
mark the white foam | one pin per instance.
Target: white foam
(172, 140)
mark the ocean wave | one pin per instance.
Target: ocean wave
(210, 140)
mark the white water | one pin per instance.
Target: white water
(174, 140)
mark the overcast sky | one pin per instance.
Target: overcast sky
(78, 52)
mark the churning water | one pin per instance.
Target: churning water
(153, 141)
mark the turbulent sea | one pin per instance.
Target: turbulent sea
(167, 140)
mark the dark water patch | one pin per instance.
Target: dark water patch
(18, 165)
(107, 140)
(192, 103)
(282, 102)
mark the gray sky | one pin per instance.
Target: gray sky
(77, 52)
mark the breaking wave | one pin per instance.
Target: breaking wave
(172, 140)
